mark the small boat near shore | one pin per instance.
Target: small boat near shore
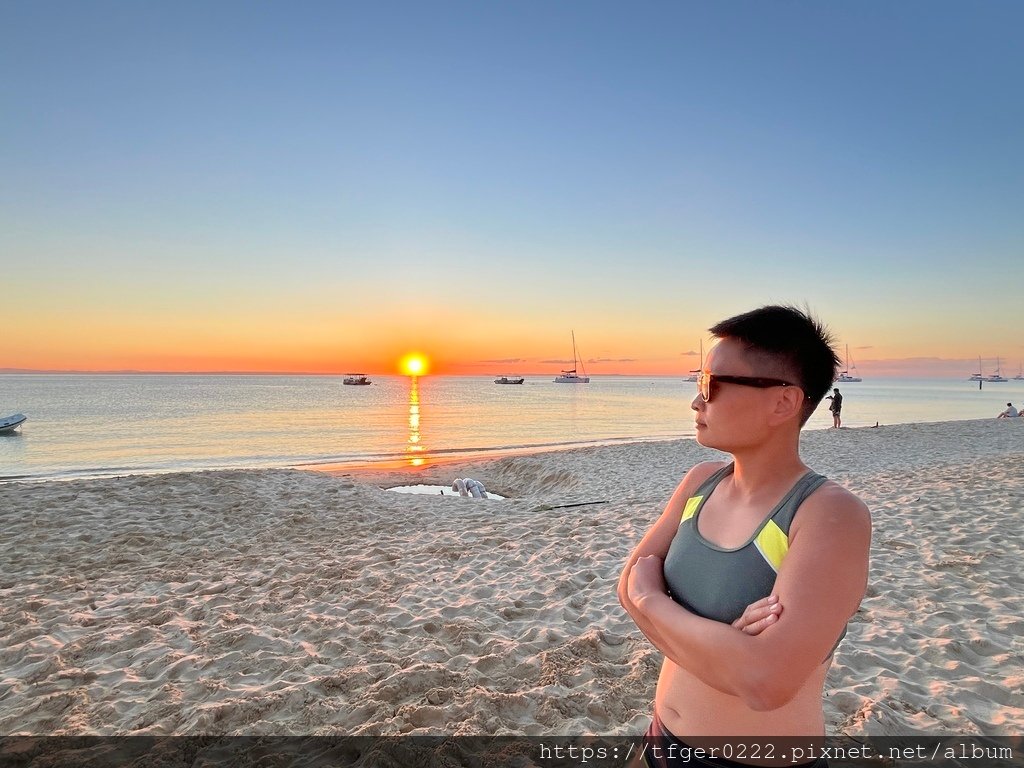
(12, 422)
(356, 379)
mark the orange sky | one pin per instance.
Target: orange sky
(247, 326)
(461, 349)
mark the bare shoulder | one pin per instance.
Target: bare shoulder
(833, 509)
(697, 474)
(691, 481)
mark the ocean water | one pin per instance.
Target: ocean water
(101, 425)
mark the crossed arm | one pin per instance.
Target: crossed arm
(820, 583)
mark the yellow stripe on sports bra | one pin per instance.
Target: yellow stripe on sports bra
(773, 544)
(691, 507)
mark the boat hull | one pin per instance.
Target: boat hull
(11, 423)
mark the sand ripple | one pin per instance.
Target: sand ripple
(300, 603)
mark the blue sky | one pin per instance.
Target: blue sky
(238, 177)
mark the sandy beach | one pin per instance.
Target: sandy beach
(299, 602)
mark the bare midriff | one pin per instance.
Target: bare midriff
(690, 707)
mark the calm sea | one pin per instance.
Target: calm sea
(96, 425)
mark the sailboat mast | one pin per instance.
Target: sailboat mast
(574, 355)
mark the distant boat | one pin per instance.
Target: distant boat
(1020, 374)
(695, 373)
(996, 377)
(979, 376)
(509, 380)
(570, 376)
(845, 376)
(357, 379)
(11, 423)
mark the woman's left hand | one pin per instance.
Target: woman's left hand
(759, 615)
(646, 578)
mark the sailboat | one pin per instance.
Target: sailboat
(1020, 374)
(694, 374)
(996, 376)
(570, 376)
(977, 376)
(844, 375)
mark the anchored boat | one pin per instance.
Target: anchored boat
(11, 423)
(570, 376)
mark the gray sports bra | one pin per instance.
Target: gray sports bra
(719, 583)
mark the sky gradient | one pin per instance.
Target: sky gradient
(325, 187)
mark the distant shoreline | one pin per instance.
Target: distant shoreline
(542, 375)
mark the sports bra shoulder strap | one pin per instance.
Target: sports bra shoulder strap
(804, 487)
(716, 477)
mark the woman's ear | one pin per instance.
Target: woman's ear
(788, 404)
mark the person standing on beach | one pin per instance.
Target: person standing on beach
(747, 579)
(836, 407)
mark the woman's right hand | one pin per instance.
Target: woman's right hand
(757, 617)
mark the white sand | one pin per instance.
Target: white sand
(296, 602)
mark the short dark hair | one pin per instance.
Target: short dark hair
(788, 343)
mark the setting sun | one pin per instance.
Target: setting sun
(414, 365)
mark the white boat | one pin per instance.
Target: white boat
(845, 376)
(11, 423)
(509, 380)
(1020, 374)
(977, 376)
(570, 376)
(357, 379)
(996, 377)
(695, 373)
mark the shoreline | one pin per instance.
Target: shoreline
(397, 463)
(286, 602)
(450, 456)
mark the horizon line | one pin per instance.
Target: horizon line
(545, 374)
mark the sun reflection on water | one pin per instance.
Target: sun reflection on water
(415, 449)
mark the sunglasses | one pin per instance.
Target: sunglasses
(706, 380)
